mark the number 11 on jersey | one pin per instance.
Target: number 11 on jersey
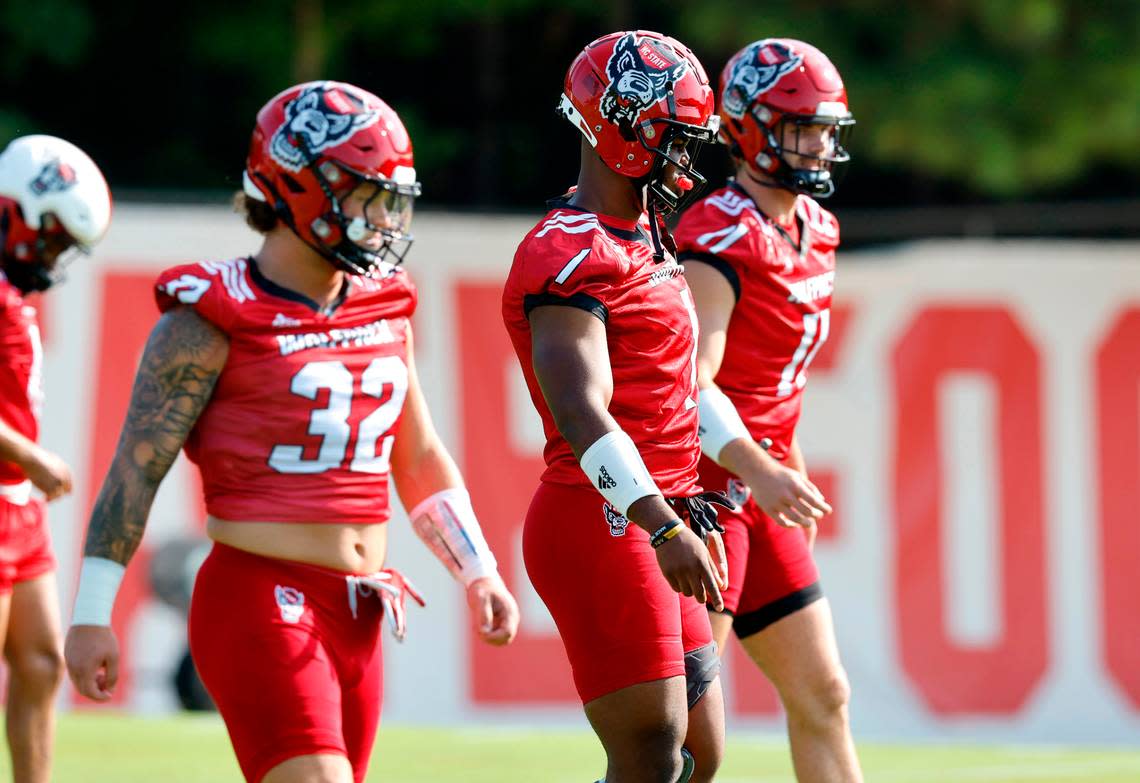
(794, 375)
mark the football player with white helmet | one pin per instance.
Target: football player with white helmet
(54, 203)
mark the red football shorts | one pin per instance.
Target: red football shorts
(771, 572)
(292, 671)
(25, 543)
(619, 620)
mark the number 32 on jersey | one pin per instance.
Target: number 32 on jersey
(331, 421)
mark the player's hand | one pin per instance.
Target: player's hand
(494, 610)
(715, 544)
(92, 655)
(48, 473)
(809, 534)
(689, 566)
(788, 497)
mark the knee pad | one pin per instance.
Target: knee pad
(702, 665)
(688, 764)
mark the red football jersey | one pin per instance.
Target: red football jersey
(302, 419)
(21, 364)
(606, 266)
(783, 286)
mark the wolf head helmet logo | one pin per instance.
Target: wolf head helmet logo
(640, 75)
(312, 126)
(755, 73)
(56, 176)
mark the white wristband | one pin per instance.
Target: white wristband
(614, 466)
(720, 424)
(446, 522)
(99, 580)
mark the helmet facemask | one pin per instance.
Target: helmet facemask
(817, 181)
(378, 232)
(36, 259)
(668, 154)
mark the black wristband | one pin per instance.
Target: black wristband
(665, 532)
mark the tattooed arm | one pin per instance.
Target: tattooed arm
(180, 365)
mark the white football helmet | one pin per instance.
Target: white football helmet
(52, 197)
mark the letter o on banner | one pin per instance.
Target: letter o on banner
(995, 677)
(1118, 474)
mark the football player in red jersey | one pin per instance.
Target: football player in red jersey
(760, 258)
(53, 201)
(289, 378)
(602, 322)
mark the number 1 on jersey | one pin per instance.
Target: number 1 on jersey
(331, 421)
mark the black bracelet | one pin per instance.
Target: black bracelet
(665, 532)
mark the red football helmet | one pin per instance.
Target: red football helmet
(318, 142)
(633, 95)
(778, 83)
(53, 199)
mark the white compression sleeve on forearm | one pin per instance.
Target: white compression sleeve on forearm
(615, 468)
(446, 522)
(99, 580)
(720, 424)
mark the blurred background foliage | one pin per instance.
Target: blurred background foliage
(958, 101)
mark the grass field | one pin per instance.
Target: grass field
(194, 749)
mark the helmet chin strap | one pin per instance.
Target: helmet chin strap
(649, 204)
(655, 235)
(775, 184)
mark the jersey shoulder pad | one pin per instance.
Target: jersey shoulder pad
(722, 224)
(822, 223)
(215, 289)
(567, 252)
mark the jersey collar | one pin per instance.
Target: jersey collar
(627, 230)
(801, 246)
(281, 292)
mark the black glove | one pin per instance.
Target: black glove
(700, 512)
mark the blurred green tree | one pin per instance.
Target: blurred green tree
(1006, 96)
(956, 99)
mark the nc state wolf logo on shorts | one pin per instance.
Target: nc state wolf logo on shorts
(616, 521)
(54, 177)
(312, 124)
(756, 72)
(640, 75)
(290, 602)
(737, 491)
